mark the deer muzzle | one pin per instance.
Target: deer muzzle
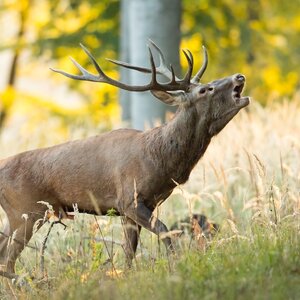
(238, 86)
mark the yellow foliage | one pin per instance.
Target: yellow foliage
(69, 24)
(256, 25)
(260, 41)
(84, 277)
(223, 42)
(278, 83)
(41, 114)
(278, 40)
(40, 14)
(194, 44)
(114, 273)
(7, 98)
(73, 20)
(295, 23)
(271, 75)
(92, 40)
(234, 35)
(218, 17)
(189, 22)
(17, 5)
(104, 104)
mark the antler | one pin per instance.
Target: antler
(174, 84)
(162, 68)
(198, 76)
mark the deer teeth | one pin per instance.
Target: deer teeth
(236, 95)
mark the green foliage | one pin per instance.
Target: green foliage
(97, 258)
(111, 212)
(65, 24)
(58, 27)
(263, 265)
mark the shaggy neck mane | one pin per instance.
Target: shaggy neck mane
(178, 145)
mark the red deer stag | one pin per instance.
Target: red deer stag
(126, 169)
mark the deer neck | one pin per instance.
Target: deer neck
(181, 143)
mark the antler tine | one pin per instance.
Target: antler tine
(189, 57)
(128, 66)
(162, 68)
(85, 75)
(93, 60)
(153, 69)
(200, 73)
(162, 60)
(173, 74)
(77, 77)
(141, 69)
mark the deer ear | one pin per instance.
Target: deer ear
(170, 98)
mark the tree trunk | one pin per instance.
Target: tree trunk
(23, 15)
(124, 56)
(158, 20)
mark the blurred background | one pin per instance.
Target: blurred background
(259, 38)
(250, 173)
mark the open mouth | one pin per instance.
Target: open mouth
(237, 91)
(236, 95)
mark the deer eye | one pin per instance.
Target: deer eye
(202, 91)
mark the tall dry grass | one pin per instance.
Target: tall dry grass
(248, 181)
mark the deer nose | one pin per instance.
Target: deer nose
(239, 77)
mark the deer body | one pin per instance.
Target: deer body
(128, 170)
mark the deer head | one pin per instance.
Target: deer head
(216, 102)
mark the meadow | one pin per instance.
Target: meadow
(248, 182)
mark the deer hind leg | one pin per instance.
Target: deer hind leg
(20, 232)
(131, 232)
(21, 236)
(4, 238)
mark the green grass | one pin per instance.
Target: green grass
(248, 182)
(265, 264)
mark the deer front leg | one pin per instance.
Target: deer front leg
(143, 216)
(131, 232)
